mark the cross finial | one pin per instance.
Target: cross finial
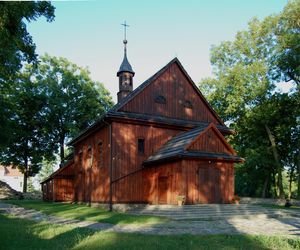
(125, 26)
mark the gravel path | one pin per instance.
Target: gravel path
(285, 226)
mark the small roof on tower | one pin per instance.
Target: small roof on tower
(125, 65)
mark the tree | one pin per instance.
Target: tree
(288, 48)
(16, 47)
(31, 142)
(74, 100)
(47, 169)
(242, 91)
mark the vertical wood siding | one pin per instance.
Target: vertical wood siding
(210, 142)
(177, 90)
(91, 183)
(126, 159)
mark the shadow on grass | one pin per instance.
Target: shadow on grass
(23, 234)
(84, 212)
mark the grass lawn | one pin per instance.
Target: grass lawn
(18, 233)
(297, 208)
(84, 212)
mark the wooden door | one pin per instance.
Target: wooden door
(216, 176)
(209, 184)
(162, 190)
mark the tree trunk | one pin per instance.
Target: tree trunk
(275, 190)
(265, 188)
(298, 168)
(62, 149)
(290, 182)
(277, 162)
(25, 177)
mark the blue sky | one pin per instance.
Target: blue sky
(89, 33)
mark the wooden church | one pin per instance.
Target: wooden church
(160, 141)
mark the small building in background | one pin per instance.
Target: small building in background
(12, 176)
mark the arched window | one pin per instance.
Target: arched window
(100, 154)
(90, 156)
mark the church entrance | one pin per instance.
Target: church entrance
(209, 184)
(162, 189)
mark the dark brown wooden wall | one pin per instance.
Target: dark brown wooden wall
(205, 192)
(182, 178)
(177, 89)
(64, 189)
(126, 159)
(91, 183)
(210, 142)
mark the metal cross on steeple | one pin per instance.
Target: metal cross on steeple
(125, 26)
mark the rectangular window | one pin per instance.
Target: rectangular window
(100, 154)
(141, 146)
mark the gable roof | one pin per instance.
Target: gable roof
(114, 111)
(140, 88)
(219, 135)
(178, 147)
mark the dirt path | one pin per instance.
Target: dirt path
(289, 226)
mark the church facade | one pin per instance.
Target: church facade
(160, 142)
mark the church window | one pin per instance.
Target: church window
(141, 146)
(90, 156)
(188, 104)
(100, 154)
(160, 99)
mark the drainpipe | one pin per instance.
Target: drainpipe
(110, 167)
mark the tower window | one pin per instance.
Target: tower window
(100, 154)
(141, 146)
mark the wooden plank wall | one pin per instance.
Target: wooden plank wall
(91, 183)
(126, 159)
(177, 89)
(183, 179)
(64, 190)
(193, 185)
(210, 142)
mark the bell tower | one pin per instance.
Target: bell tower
(125, 72)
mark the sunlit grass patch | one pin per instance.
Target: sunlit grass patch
(84, 212)
(24, 234)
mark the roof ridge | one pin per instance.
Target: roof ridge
(142, 86)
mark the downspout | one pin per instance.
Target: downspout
(110, 166)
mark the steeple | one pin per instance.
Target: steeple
(125, 72)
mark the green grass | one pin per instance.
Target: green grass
(84, 212)
(296, 208)
(18, 233)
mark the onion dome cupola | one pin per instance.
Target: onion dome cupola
(125, 73)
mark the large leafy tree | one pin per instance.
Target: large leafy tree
(74, 100)
(16, 47)
(30, 142)
(242, 91)
(288, 45)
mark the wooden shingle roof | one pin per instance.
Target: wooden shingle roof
(178, 147)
